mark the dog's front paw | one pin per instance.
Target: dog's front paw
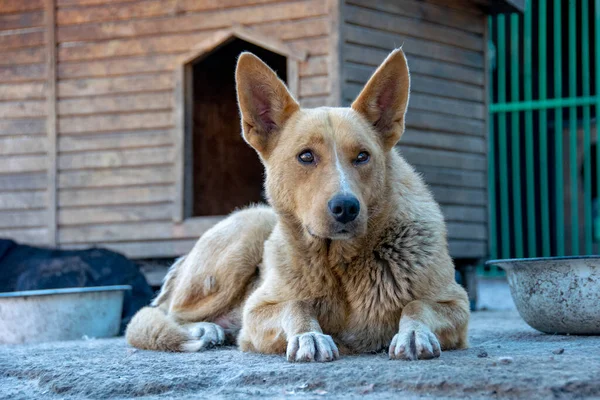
(415, 342)
(311, 346)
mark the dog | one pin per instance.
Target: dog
(350, 257)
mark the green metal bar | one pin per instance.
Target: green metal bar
(515, 136)
(543, 144)
(558, 132)
(597, 53)
(502, 142)
(573, 128)
(543, 104)
(587, 162)
(529, 157)
(491, 161)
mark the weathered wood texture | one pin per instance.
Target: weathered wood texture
(23, 111)
(116, 151)
(446, 130)
(116, 75)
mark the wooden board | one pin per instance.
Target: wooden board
(23, 219)
(134, 66)
(443, 141)
(469, 231)
(116, 103)
(115, 85)
(136, 231)
(22, 73)
(114, 214)
(313, 102)
(467, 248)
(34, 236)
(22, 109)
(116, 177)
(362, 54)
(22, 144)
(314, 66)
(385, 40)
(130, 47)
(443, 159)
(27, 55)
(454, 177)
(101, 13)
(31, 37)
(16, 6)
(293, 13)
(19, 182)
(459, 196)
(314, 86)
(425, 12)
(116, 158)
(431, 103)
(114, 140)
(360, 74)
(23, 91)
(21, 20)
(444, 123)
(146, 249)
(22, 163)
(401, 25)
(453, 213)
(114, 122)
(22, 200)
(115, 195)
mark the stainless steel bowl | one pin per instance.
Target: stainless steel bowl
(60, 314)
(556, 294)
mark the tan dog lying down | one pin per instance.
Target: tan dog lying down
(352, 257)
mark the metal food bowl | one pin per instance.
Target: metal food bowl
(556, 294)
(60, 314)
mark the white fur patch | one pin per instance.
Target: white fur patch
(344, 185)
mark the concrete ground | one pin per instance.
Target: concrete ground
(493, 294)
(507, 359)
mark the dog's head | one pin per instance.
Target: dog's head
(326, 167)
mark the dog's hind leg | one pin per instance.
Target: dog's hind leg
(204, 292)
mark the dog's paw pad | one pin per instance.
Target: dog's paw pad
(206, 334)
(415, 344)
(311, 346)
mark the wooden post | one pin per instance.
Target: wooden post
(335, 70)
(293, 77)
(179, 115)
(51, 121)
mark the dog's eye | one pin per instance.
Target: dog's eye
(306, 157)
(362, 157)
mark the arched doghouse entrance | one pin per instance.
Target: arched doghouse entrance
(220, 172)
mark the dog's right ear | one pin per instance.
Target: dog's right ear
(264, 101)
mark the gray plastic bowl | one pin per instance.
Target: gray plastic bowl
(60, 314)
(556, 294)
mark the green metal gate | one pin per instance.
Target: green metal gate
(544, 97)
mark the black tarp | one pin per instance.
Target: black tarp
(25, 267)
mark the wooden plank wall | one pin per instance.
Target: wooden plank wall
(446, 130)
(23, 109)
(115, 108)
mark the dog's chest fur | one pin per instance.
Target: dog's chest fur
(373, 286)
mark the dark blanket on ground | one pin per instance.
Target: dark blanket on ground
(31, 268)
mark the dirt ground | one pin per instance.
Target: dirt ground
(507, 359)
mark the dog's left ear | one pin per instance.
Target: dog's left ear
(384, 99)
(264, 101)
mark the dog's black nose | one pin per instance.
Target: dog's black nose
(344, 208)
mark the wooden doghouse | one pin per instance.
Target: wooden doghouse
(119, 126)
